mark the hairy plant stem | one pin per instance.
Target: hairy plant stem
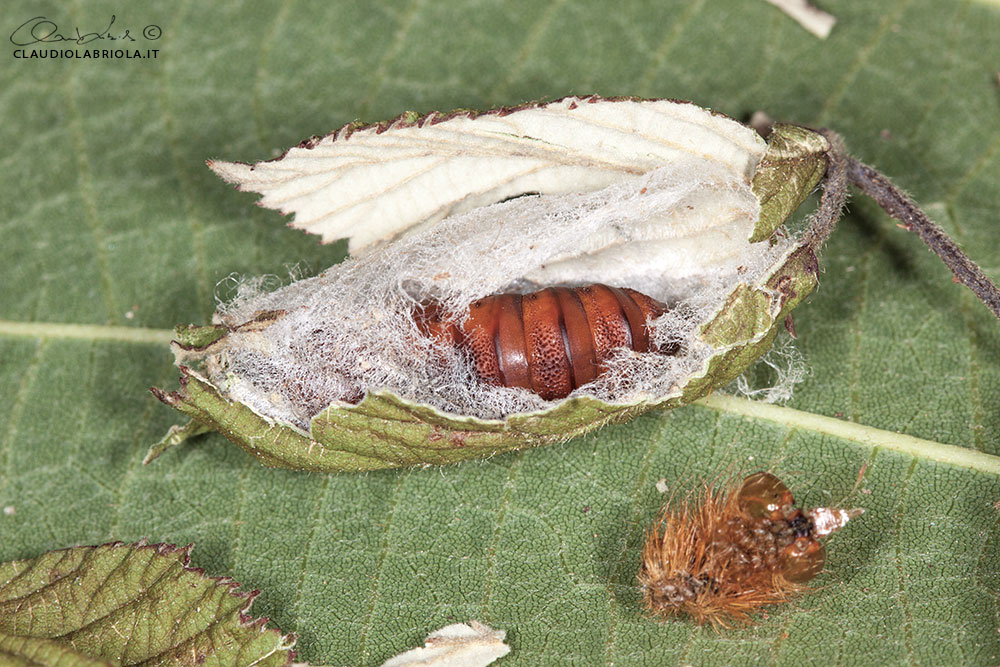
(842, 167)
(834, 197)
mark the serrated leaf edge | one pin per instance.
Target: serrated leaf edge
(246, 621)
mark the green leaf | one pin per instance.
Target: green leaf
(794, 163)
(126, 604)
(18, 651)
(191, 335)
(115, 231)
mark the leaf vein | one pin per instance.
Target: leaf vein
(900, 571)
(321, 502)
(126, 480)
(379, 573)
(58, 330)
(976, 166)
(90, 203)
(528, 46)
(194, 221)
(393, 50)
(264, 53)
(27, 380)
(623, 551)
(867, 436)
(645, 83)
(862, 58)
(488, 580)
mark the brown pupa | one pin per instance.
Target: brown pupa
(550, 341)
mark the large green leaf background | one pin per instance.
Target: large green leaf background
(114, 231)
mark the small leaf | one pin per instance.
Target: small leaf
(456, 645)
(811, 18)
(125, 604)
(175, 435)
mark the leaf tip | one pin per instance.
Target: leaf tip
(176, 434)
(167, 397)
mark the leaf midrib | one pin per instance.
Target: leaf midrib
(93, 332)
(869, 436)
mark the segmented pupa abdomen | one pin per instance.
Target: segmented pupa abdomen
(550, 341)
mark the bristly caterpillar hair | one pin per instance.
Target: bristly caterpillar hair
(734, 551)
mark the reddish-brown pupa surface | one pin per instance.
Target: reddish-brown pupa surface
(734, 552)
(550, 341)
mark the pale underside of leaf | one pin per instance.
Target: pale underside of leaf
(456, 645)
(808, 16)
(374, 183)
